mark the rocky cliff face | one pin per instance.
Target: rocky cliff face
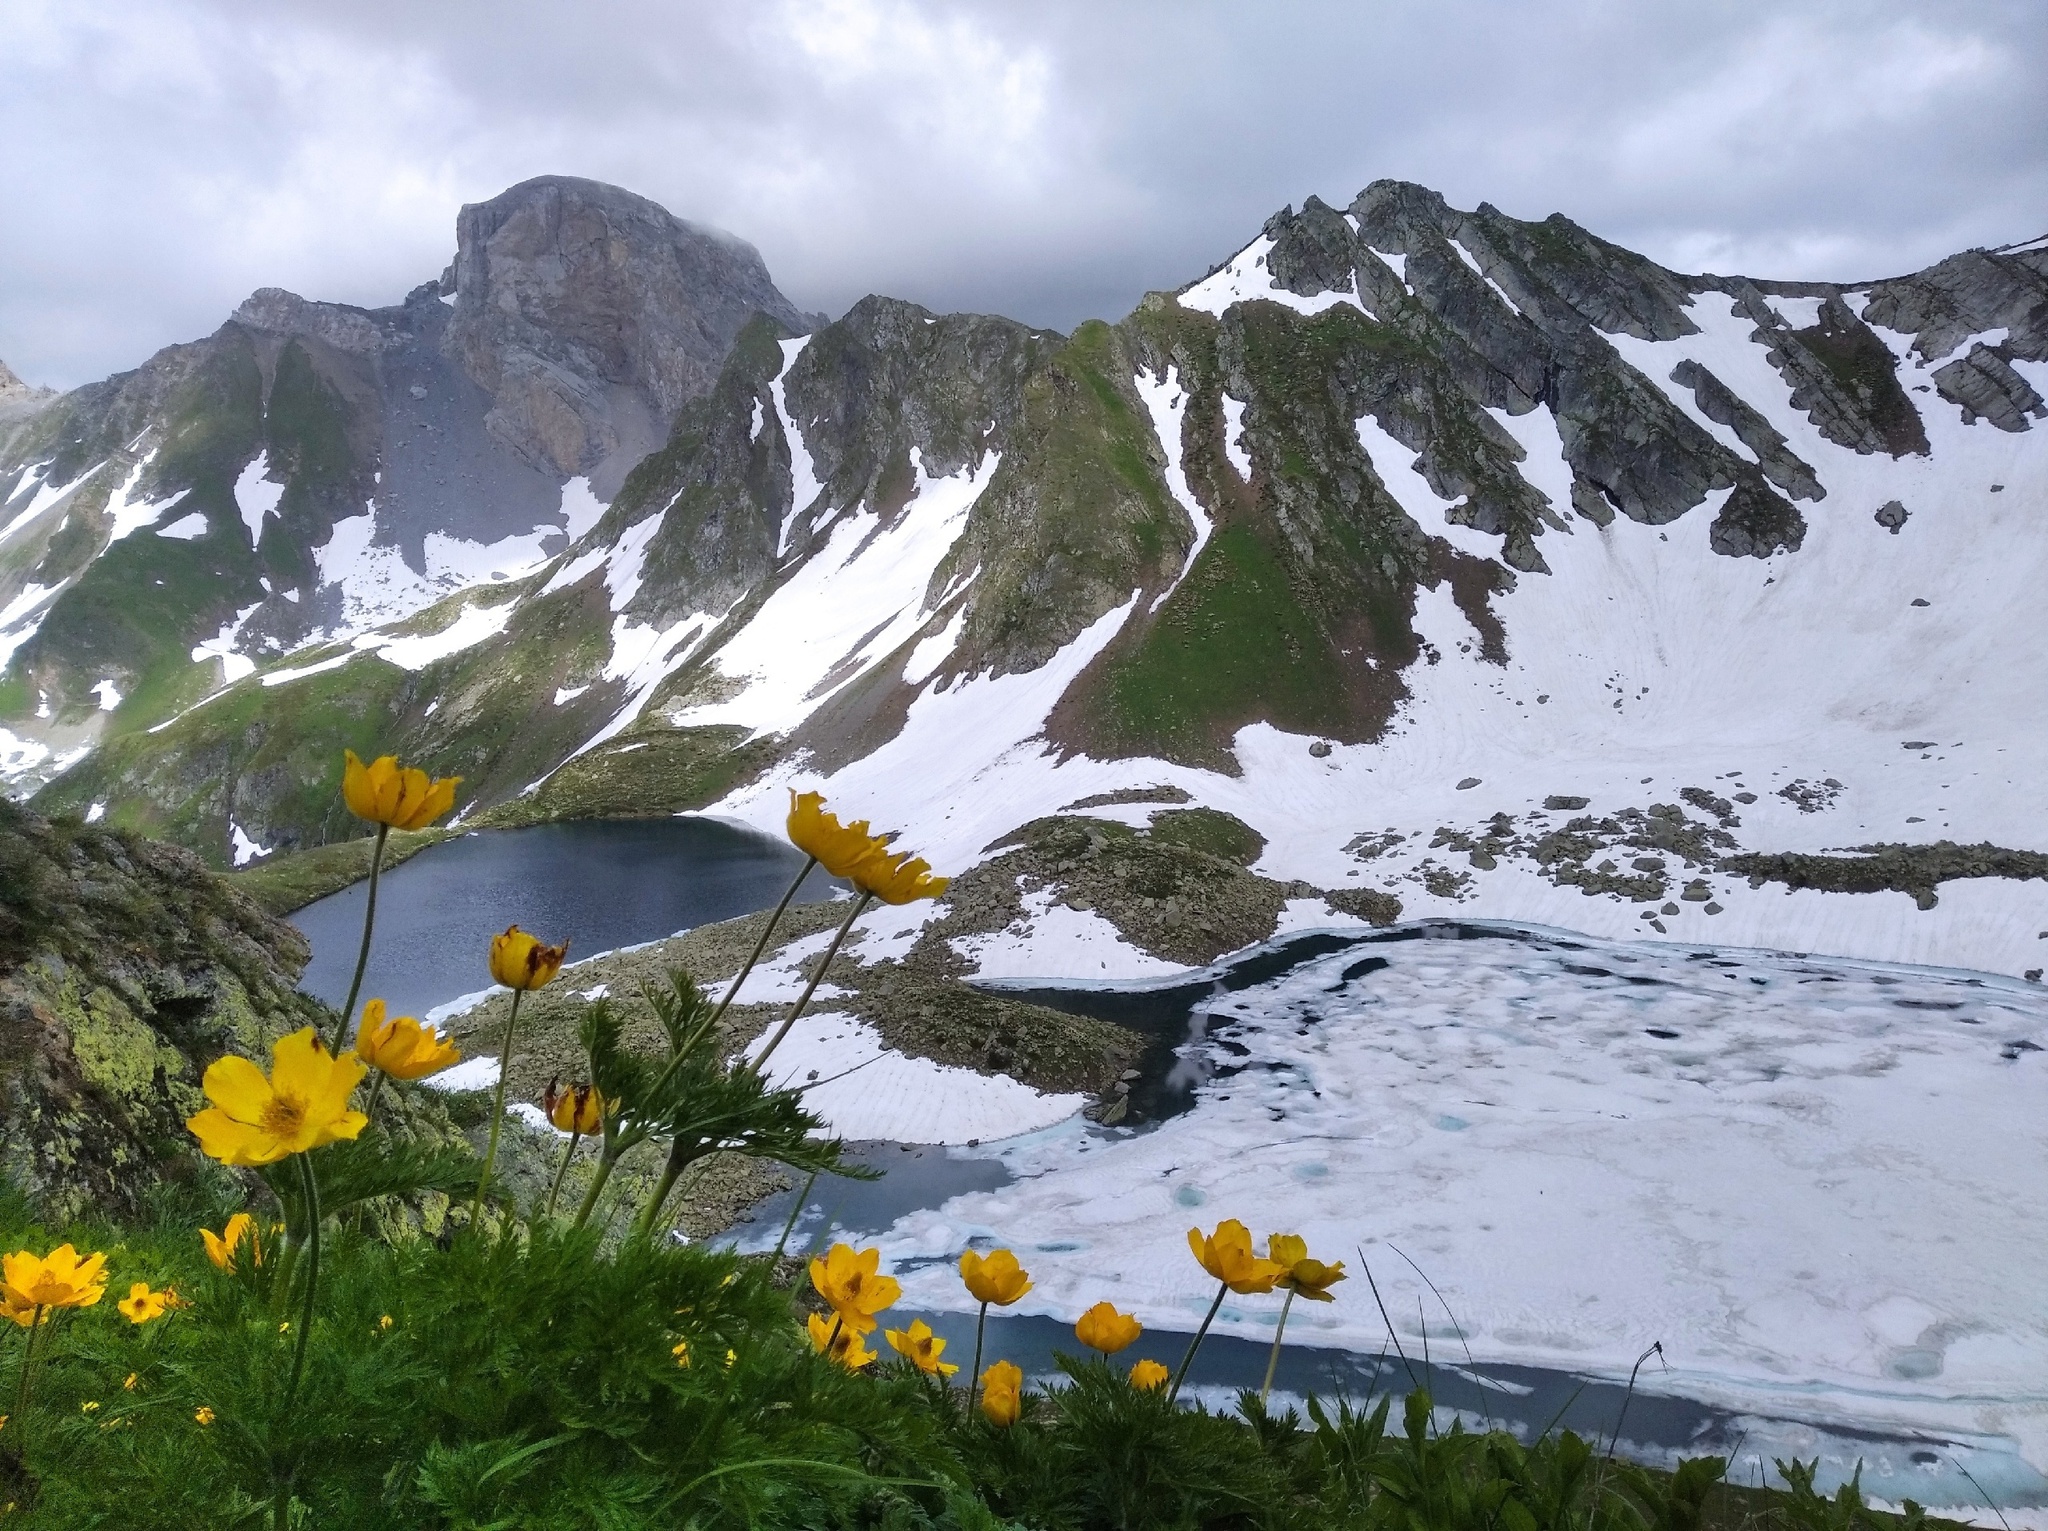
(1393, 479)
(125, 968)
(313, 470)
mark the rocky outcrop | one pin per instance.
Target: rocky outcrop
(125, 968)
(591, 315)
(1984, 383)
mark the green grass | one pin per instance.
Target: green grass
(1232, 644)
(533, 1382)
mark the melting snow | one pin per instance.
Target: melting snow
(852, 601)
(1464, 255)
(804, 487)
(221, 646)
(109, 695)
(864, 1089)
(185, 528)
(95, 813)
(245, 849)
(1244, 279)
(128, 514)
(418, 650)
(256, 497)
(1167, 403)
(1395, 465)
(1233, 437)
(581, 510)
(45, 498)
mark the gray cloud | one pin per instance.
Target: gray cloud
(1050, 160)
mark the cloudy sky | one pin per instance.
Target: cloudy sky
(1048, 159)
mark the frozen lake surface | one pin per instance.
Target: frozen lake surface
(1816, 1182)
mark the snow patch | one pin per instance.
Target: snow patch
(185, 528)
(1395, 465)
(1245, 278)
(1486, 1105)
(256, 497)
(417, 651)
(804, 487)
(109, 695)
(221, 646)
(864, 1089)
(566, 694)
(1465, 255)
(853, 601)
(1233, 437)
(581, 510)
(931, 652)
(128, 514)
(244, 848)
(45, 497)
(1167, 403)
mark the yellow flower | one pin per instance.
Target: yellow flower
(1147, 1375)
(58, 1280)
(132, 1380)
(998, 1278)
(401, 1046)
(521, 961)
(141, 1304)
(1002, 1394)
(849, 1283)
(922, 1347)
(839, 848)
(1227, 1255)
(1103, 1328)
(384, 1324)
(580, 1108)
(844, 1346)
(203, 1414)
(303, 1104)
(384, 792)
(220, 1247)
(1304, 1277)
(681, 1352)
(90, 1406)
(897, 879)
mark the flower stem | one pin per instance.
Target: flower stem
(1273, 1361)
(562, 1173)
(974, 1376)
(1196, 1344)
(355, 984)
(483, 1183)
(761, 945)
(811, 988)
(311, 1187)
(671, 1172)
(376, 1089)
(28, 1356)
(794, 1213)
(604, 1173)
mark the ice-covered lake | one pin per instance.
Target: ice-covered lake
(1817, 1183)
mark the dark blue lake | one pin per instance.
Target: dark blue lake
(598, 884)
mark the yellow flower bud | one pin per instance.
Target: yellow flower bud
(1103, 1328)
(520, 961)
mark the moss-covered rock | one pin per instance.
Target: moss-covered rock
(125, 968)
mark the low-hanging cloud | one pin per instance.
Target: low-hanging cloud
(1050, 160)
